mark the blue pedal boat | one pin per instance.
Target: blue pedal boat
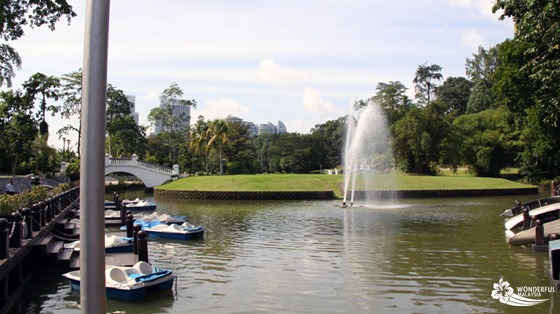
(130, 283)
(140, 206)
(185, 231)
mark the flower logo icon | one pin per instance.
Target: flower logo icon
(502, 291)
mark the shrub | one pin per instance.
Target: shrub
(73, 170)
(12, 203)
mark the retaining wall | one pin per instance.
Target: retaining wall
(327, 195)
(271, 195)
(445, 193)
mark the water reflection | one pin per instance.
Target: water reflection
(426, 256)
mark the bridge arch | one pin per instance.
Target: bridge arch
(151, 174)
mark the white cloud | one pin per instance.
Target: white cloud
(219, 109)
(473, 39)
(483, 6)
(299, 126)
(318, 106)
(270, 72)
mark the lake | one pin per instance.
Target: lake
(407, 256)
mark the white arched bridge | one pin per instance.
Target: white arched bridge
(151, 174)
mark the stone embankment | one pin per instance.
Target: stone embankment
(245, 195)
(328, 195)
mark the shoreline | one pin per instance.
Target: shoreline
(330, 195)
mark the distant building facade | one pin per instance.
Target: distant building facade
(255, 129)
(132, 100)
(177, 110)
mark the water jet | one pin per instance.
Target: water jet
(367, 152)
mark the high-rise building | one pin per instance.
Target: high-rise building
(132, 100)
(254, 129)
(178, 110)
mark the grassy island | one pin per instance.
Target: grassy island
(321, 182)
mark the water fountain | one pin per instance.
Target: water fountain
(367, 151)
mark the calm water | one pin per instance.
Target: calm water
(410, 256)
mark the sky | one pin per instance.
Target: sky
(301, 62)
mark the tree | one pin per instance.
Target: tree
(14, 15)
(219, 131)
(480, 70)
(536, 24)
(454, 93)
(44, 87)
(425, 80)
(486, 141)
(125, 136)
(239, 150)
(200, 138)
(168, 119)
(392, 97)
(332, 134)
(528, 82)
(18, 129)
(72, 105)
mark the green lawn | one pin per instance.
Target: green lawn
(322, 182)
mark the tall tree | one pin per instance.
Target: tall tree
(43, 87)
(480, 70)
(168, 119)
(219, 132)
(72, 104)
(200, 138)
(14, 15)
(425, 81)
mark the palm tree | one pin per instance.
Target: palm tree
(425, 78)
(218, 131)
(200, 139)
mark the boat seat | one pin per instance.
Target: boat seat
(116, 275)
(173, 228)
(143, 268)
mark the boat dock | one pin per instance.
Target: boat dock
(33, 240)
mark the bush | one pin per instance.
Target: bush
(73, 170)
(12, 203)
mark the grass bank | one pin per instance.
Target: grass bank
(318, 182)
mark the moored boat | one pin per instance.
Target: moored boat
(546, 213)
(142, 205)
(113, 244)
(526, 237)
(185, 231)
(130, 283)
(534, 204)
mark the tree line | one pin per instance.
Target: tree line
(504, 113)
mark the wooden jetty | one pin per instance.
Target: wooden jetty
(33, 239)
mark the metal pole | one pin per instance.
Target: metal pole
(92, 159)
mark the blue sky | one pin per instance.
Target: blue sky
(301, 62)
